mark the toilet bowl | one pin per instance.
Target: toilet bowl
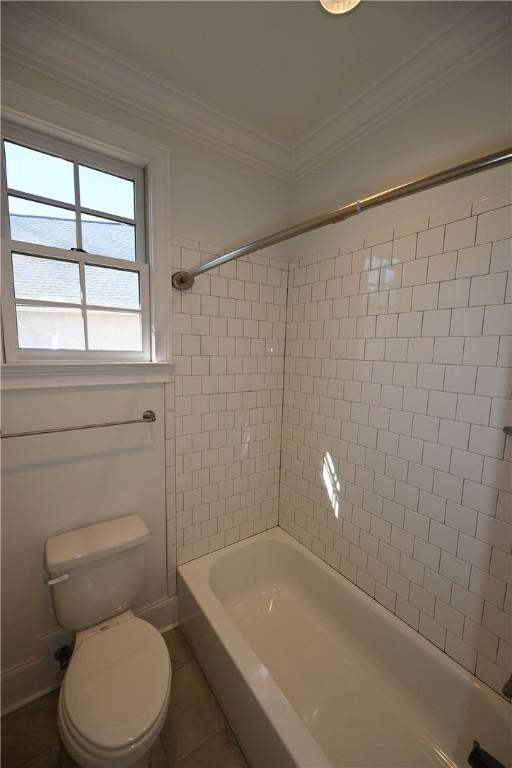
(115, 694)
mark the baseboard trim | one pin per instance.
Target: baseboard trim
(163, 614)
(40, 676)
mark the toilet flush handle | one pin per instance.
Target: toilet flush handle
(58, 579)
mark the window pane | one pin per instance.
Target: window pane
(105, 192)
(50, 328)
(45, 279)
(108, 238)
(112, 287)
(41, 224)
(38, 173)
(115, 331)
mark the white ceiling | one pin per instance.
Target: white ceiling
(284, 69)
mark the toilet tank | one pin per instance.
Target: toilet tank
(96, 572)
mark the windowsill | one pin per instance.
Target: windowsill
(52, 375)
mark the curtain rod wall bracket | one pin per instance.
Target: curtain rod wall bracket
(184, 280)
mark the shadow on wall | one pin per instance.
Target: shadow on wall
(91, 456)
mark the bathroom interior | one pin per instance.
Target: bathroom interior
(256, 384)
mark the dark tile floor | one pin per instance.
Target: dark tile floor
(195, 734)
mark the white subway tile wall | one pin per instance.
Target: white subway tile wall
(224, 407)
(394, 466)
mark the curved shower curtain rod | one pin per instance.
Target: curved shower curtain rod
(185, 279)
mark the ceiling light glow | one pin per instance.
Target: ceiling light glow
(338, 6)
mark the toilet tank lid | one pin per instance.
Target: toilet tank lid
(85, 545)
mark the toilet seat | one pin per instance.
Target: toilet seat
(115, 693)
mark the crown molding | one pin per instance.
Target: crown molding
(33, 41)
(485, 28)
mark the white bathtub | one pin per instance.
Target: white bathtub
(312, 672)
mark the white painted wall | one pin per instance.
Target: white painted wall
(56, 483)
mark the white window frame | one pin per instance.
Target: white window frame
(77, 155)
(9, 303)
(47, 115)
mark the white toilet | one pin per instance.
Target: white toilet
(115, 694)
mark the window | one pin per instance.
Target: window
(75, 282)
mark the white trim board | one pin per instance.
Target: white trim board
(19, 376)
(43, 45)
(37, 677)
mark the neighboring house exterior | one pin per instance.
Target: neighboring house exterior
(58, 282)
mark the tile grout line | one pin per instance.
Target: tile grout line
(282, 404)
